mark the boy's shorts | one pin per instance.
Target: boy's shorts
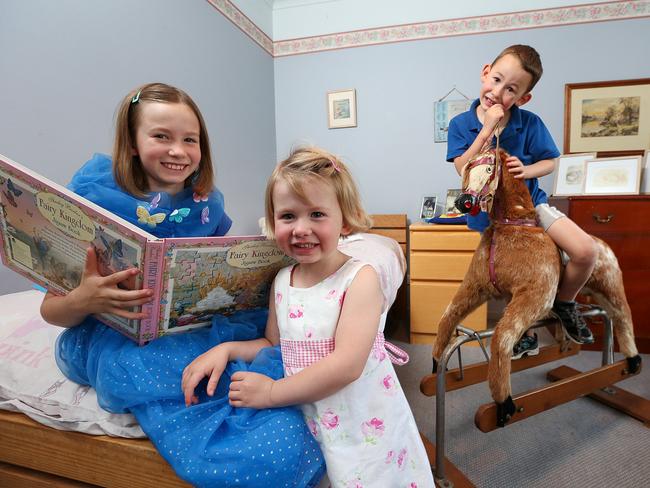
(546, 215)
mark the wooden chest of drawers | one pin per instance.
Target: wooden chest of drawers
(624, 223)
(439, 257)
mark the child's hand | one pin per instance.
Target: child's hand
(492, 117)
(211, 364)
(101, 294)
(250, 390)
(516, 167)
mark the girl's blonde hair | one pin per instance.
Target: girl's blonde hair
(127, 168)
(306, 162)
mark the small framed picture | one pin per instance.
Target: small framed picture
(452, 194)
(443, 112)
(428, 208)
(645, 173)
(570, 173)
(342, 109)
(613, 176)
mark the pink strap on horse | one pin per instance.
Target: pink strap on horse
(300, 354)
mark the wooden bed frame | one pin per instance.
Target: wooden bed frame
(33, 455)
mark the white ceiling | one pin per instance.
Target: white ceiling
(293, 19)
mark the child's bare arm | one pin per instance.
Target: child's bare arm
(491, 119)
(355, 334)
(95, 294)
(212, 363)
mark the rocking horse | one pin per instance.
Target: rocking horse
(518, 261)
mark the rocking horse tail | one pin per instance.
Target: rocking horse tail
(606, 287)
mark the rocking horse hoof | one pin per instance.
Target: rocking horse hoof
(634, 364)
(505, 411)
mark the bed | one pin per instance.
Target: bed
(49, 434)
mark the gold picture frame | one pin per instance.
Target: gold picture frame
(342, 109)
(611, 118)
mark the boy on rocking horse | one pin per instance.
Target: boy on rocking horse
(505, 86)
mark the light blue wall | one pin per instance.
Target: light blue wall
(66, 64)
(392, 152)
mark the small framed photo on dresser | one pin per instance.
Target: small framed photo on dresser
(570, 174)
(428, 208)
(613, 176)
(450, 201)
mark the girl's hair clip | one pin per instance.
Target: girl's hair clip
(136, 98)
(334, 165)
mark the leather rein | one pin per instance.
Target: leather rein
(500, 219)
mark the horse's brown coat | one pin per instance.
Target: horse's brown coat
(528, 270)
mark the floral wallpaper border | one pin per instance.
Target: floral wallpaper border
(532, 19)
(238, 18)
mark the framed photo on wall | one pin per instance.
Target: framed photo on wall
(613, 176)
(570, 173)
(611, 118)
(342, 109)
(443, 112)
(428, 208)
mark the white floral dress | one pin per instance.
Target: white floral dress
(366, 430)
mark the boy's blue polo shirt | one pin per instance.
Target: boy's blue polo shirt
(525, 136)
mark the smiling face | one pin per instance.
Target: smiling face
(167, 142)
(308, 231)
(504, 83)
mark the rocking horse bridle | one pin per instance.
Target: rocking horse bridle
(470, 201)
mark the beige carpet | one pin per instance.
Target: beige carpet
(579, 444)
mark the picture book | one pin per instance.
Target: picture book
(45, 230)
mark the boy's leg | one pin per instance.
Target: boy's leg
(582, 252)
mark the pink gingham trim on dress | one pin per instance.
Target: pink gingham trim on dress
(300, 354)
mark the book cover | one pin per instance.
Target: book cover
(45, 230)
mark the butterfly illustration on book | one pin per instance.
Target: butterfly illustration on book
(113, 249)
(144, 217)
(13, 191)
(179, 214)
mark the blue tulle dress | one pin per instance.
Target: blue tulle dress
(209, 444)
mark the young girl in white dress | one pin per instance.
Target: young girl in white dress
(327, 313)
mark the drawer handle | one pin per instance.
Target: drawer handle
(602, 220)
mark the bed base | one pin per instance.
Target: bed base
(33, 455)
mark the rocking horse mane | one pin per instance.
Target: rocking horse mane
(512, 199)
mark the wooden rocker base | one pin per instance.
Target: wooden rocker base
(454, 476)
(477, 373)
(612, 396)
(557, 393)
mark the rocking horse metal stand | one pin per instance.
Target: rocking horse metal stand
(530, 289)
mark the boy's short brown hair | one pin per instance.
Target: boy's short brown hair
(529, 59)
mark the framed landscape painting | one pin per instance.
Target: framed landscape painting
(611, 118)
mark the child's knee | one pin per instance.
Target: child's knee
(586, 253)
